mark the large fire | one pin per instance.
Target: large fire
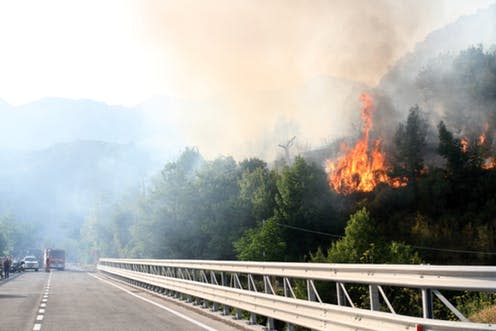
(361, 168)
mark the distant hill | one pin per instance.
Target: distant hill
(55, 120)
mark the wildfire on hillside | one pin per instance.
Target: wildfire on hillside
(489, 162)
(362, 167)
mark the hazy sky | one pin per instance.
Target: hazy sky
(124, 51)
(240, 76)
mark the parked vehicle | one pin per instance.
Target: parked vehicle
(16, 266)
(36, 252)
(30, 262)
(55, 258)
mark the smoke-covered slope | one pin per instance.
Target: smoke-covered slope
(64, 183)
(472, 30)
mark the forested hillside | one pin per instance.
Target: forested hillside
(224, 209)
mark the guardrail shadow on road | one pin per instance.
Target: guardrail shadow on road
(11, 296)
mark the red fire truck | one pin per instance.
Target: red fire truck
(54, 259)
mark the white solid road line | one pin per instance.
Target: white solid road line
(189, 319)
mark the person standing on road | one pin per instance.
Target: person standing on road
(47, 261)
(6, 267)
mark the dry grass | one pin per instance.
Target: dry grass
(487, 315)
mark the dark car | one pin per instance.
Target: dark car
(16, 266)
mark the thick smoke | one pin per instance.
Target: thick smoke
(253, 64)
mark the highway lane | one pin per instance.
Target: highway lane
(69, 300)
(20, 299)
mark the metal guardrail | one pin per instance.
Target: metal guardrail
(234, 284)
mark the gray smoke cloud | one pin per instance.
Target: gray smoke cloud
(252, 65)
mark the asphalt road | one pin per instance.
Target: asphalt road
(69, 300)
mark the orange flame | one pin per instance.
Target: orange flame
(489, 162)
(482, 139)
(361, 169)
(464, 144)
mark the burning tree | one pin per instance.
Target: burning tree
(362, 167)
(465, 154)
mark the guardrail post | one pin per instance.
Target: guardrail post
(427, 310)
(213, 281)
(223, 279)
(339, 294)
(288, 293)
(195, 278)
(203, 278)
(237, 284)
(252, 287)
(374, 298)
(310, 292)
(270, 321)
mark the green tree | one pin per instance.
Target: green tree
(304, 202)
(363, 244)
(97, 237)
(410, 142)
(451, 149)
(17, 236)
(252, 164)
(220, 217)
(257, 191)
(265, 243)
(166, 222)
(121, 222)
(3, 243)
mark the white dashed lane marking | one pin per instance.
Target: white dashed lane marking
(43, 304)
